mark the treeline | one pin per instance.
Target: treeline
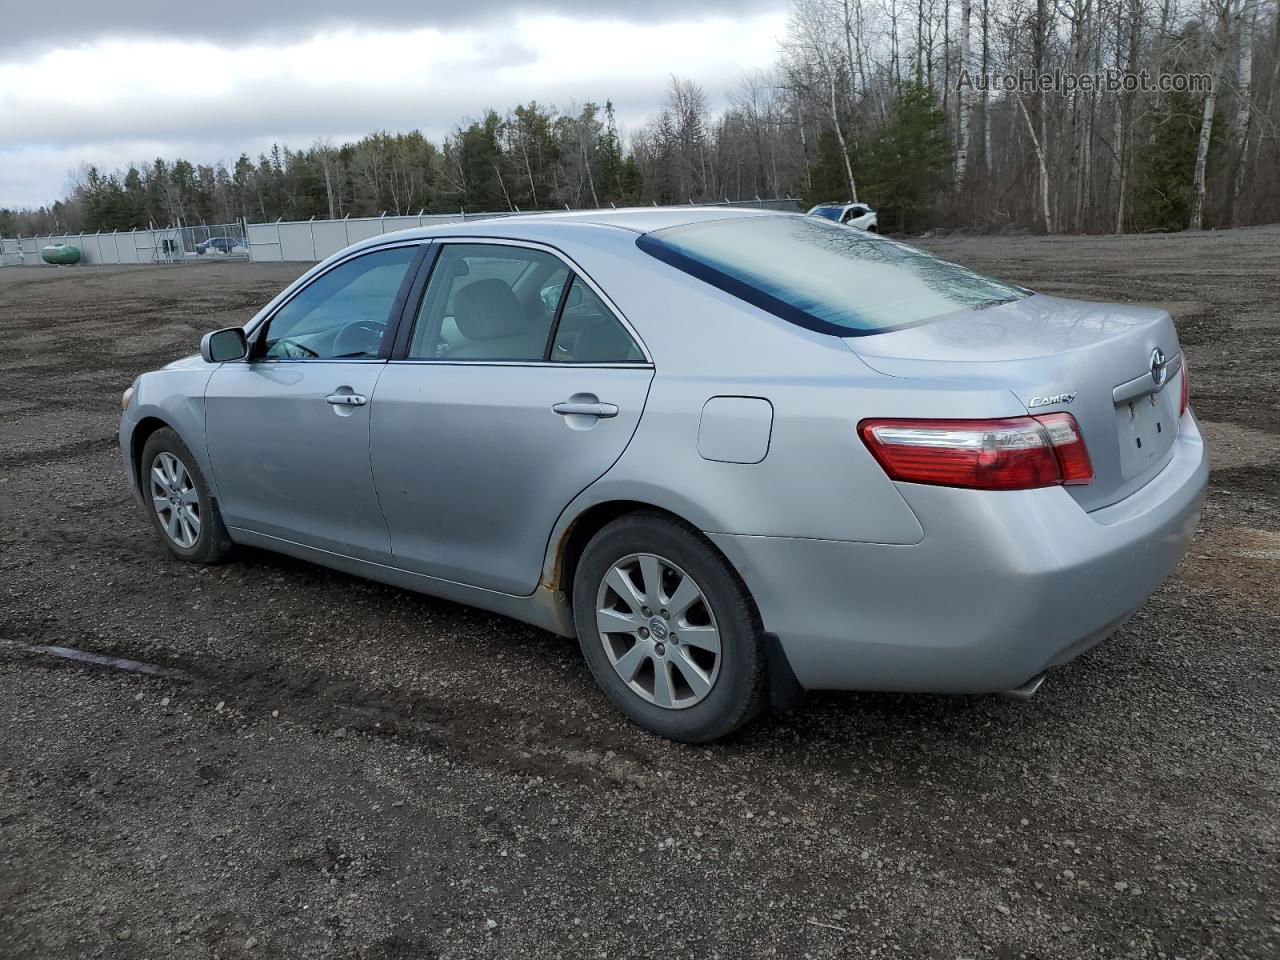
(879, 100)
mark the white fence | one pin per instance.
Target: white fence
(313, 240)
(293, 240)
(156, 245)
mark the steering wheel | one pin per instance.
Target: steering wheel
(358, 338)
(289, 350)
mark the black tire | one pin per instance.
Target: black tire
(212, 545)
(739, 689)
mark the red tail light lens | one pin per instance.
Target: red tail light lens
(1186, 377)
(1014, 454)
(1068, 446)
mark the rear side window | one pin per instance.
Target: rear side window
(501, 302)
(588, 331)
(823, 276)
(488, 302)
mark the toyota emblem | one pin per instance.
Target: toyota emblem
(1159, 369)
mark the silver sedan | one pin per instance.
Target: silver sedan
(737, 454)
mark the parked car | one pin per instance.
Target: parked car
(737, 454)
(860, 215)
(216, 244)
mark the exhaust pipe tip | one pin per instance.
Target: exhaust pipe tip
(1027, 690)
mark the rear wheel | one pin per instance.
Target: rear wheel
(178, 502)
(668, 629)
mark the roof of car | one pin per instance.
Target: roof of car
(550, 227)
(637, 220)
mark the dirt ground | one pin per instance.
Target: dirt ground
(317, 766)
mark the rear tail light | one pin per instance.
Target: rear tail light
(1014, 454)
(1182, 399)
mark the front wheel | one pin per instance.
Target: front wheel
(669, 631)
(178, 501)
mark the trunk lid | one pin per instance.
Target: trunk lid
(1092, 360)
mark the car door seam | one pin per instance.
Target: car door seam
(373, 479)
(546, 551)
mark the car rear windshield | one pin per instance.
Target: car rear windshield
(824, 276)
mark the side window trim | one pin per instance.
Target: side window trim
(413, 306)
(414, 296)
(394, 316)
(555, 320)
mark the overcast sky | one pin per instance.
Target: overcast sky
(87, 81)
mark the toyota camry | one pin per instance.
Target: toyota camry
(736, 454)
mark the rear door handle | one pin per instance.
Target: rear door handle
(585, 409)
(346, 400)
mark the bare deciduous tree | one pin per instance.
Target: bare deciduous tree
(839, 117)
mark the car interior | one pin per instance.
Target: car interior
(589, 333)
(486, 307)
(498, 303)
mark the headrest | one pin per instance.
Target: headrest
(487, 309)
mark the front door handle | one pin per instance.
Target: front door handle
(346, 400)
(585, 408)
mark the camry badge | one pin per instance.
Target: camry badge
(1159, 368)
(1051, 399)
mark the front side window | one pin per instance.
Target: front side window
(588, 332)
(822, 276)
(343, 314)
(489, 302)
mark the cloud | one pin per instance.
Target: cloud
(33, 26)
(133, 100)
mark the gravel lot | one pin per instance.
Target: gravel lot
(323, 767)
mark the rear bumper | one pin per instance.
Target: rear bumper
(1003, 586)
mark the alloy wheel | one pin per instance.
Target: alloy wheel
(658, 631)
(176, 502)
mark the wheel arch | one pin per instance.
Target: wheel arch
(595, 517)
(142, 432)
(155, 418)
(574, 538)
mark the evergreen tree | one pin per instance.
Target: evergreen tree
(906, 167)
(1165, 165)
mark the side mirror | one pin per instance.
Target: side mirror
(551, 296)
(223, 345)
